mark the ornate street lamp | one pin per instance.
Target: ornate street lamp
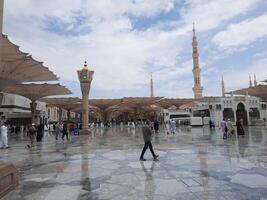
(85, 77)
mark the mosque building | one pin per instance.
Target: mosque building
(233, 106)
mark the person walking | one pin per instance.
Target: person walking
(4, 138)
(147, 135)
(173, 126)
(57, 130)
(240, 128)
(156, 126)
(40, 133)
(32, 135)
(223, 127)
(231, 130)
(65, 131)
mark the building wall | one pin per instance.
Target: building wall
(217, 105)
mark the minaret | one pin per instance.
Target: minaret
(151, 86)
(1, 15)
(255, 80)
(250, 81)
(197, 89)
(223, 88)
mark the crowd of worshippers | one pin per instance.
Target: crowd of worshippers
(37, 132)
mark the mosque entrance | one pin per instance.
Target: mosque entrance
(228, 113)
(241, 113)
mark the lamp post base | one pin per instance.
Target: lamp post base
(85, 132)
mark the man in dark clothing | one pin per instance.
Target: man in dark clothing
(156, 126)
(147, 134)
(40, 132)
(65, 131)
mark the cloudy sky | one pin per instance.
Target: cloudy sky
(124, 41)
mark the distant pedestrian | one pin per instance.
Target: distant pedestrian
(4, 138)
(32, 135)
(156, 126)
(223, 127)
(57, 130)
(65, 131)
(231, 130)
(147, 134)
(46, 130)
(40, 132)
(240, 127)
(173, 126)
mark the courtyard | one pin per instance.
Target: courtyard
(195, 163)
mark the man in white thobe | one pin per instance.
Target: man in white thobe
(4, 140)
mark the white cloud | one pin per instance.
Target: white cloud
(242, 34)
(121, 56)
(237, 79)
(209, 14)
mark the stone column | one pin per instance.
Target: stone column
(33, 105)
(60, 114)
(85, 115)
(85, 77)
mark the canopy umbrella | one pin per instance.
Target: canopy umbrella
(10, 51)
(35, 92)
(258, 91)
(17, 67)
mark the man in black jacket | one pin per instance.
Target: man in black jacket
(65, 131)
(147, 134)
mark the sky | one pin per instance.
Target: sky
(124, 41)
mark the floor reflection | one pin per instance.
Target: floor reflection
(195, 163)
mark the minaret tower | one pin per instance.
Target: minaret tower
(197, 89)
(255, 80)
(250, 81)
(1, 15)
(151, 86)
(223, 88)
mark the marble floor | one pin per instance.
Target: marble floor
(195, 163)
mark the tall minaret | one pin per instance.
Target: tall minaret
(250, 81)
(223, 88)
(151, 86)
(197, 89)
(255, 80)
(1, 15)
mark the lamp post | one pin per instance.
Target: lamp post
(85, 78)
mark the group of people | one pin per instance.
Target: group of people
(228, 130)
(58, 128)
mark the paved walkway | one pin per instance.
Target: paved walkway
(194, 164)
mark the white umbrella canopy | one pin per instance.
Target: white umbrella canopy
(35, 92)
(17, 67)
(10, 51)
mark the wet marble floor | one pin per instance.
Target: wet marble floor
(195, 163)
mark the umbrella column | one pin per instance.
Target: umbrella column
(33, 105)
(85, 77)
